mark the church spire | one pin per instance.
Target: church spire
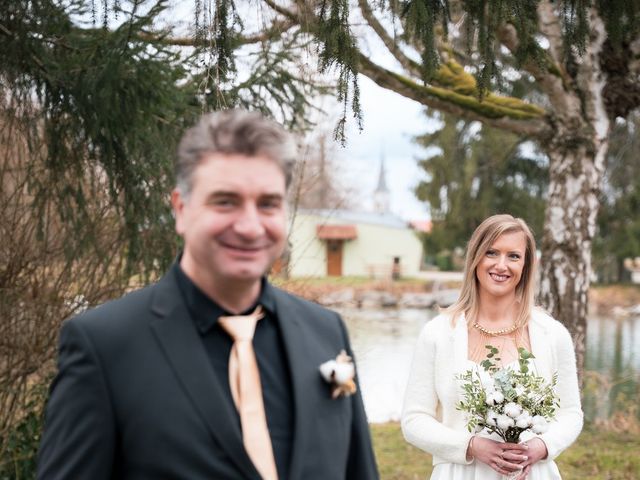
(381, 193)
(382, 178)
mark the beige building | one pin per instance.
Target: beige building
(346, 243)
(633, 265)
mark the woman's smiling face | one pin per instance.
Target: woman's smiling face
(501, 266)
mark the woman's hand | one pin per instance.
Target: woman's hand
(504, 458)
(537, 451)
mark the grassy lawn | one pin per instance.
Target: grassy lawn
(595, 456)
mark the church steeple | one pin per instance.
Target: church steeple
(381, 194)
(382, 178)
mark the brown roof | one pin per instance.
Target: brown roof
(336, 232)
(421, 225)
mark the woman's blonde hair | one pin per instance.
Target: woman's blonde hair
(481, 240)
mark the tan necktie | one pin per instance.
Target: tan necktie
(244, 380)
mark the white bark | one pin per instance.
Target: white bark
(576, 154)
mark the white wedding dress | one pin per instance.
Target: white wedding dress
(542, 470)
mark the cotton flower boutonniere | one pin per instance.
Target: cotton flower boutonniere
(339, 373)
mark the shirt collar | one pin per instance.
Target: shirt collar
(204, 311)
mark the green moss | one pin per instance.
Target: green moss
(491, 106)
(453, 84)
(452, 74)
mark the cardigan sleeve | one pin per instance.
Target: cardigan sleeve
(569, 417)
(419, 423)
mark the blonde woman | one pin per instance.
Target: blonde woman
(496, 306)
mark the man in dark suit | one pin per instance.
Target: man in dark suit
(143, 389)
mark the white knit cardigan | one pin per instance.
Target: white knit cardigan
(430, 420)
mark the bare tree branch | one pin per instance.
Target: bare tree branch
(503, 112)
(389, 42)
(551, 77)
(281, 10)
(551, 28)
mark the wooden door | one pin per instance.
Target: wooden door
(334, 258)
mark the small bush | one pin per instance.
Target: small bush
(20, 446)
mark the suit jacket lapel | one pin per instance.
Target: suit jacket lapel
(290, 316)
(183, 347)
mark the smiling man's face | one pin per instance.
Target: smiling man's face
(234, 220)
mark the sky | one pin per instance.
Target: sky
(390, 123)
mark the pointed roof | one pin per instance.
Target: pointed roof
(382, 178)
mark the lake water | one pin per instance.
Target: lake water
(383, 341)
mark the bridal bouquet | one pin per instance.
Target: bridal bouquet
(507, 401)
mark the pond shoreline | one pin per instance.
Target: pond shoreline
(345, 292)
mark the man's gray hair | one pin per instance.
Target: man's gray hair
(233, 132)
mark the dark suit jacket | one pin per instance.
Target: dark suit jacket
(136, 398)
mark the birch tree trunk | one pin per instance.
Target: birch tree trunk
(577, 155)
(570, 224)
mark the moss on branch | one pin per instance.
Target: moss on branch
(452, 83)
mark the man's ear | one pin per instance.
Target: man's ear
(177, 203)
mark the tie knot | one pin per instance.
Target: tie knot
(242, 327)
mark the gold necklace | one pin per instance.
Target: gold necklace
(496, 333)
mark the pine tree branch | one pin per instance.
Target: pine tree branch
(507, 113)
(272, 33)
(392, 46)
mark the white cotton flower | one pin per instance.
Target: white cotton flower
(512, 409)
(491, 418)
(327, 369)
(524, 420)
(520, 390)
(505, 422)
(539, 420)
(539, 424)
(539, 428)
(494, 398)
(344, 372)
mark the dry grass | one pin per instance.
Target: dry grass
(603, 298)
(314, 288)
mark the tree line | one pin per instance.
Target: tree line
(474, 171)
